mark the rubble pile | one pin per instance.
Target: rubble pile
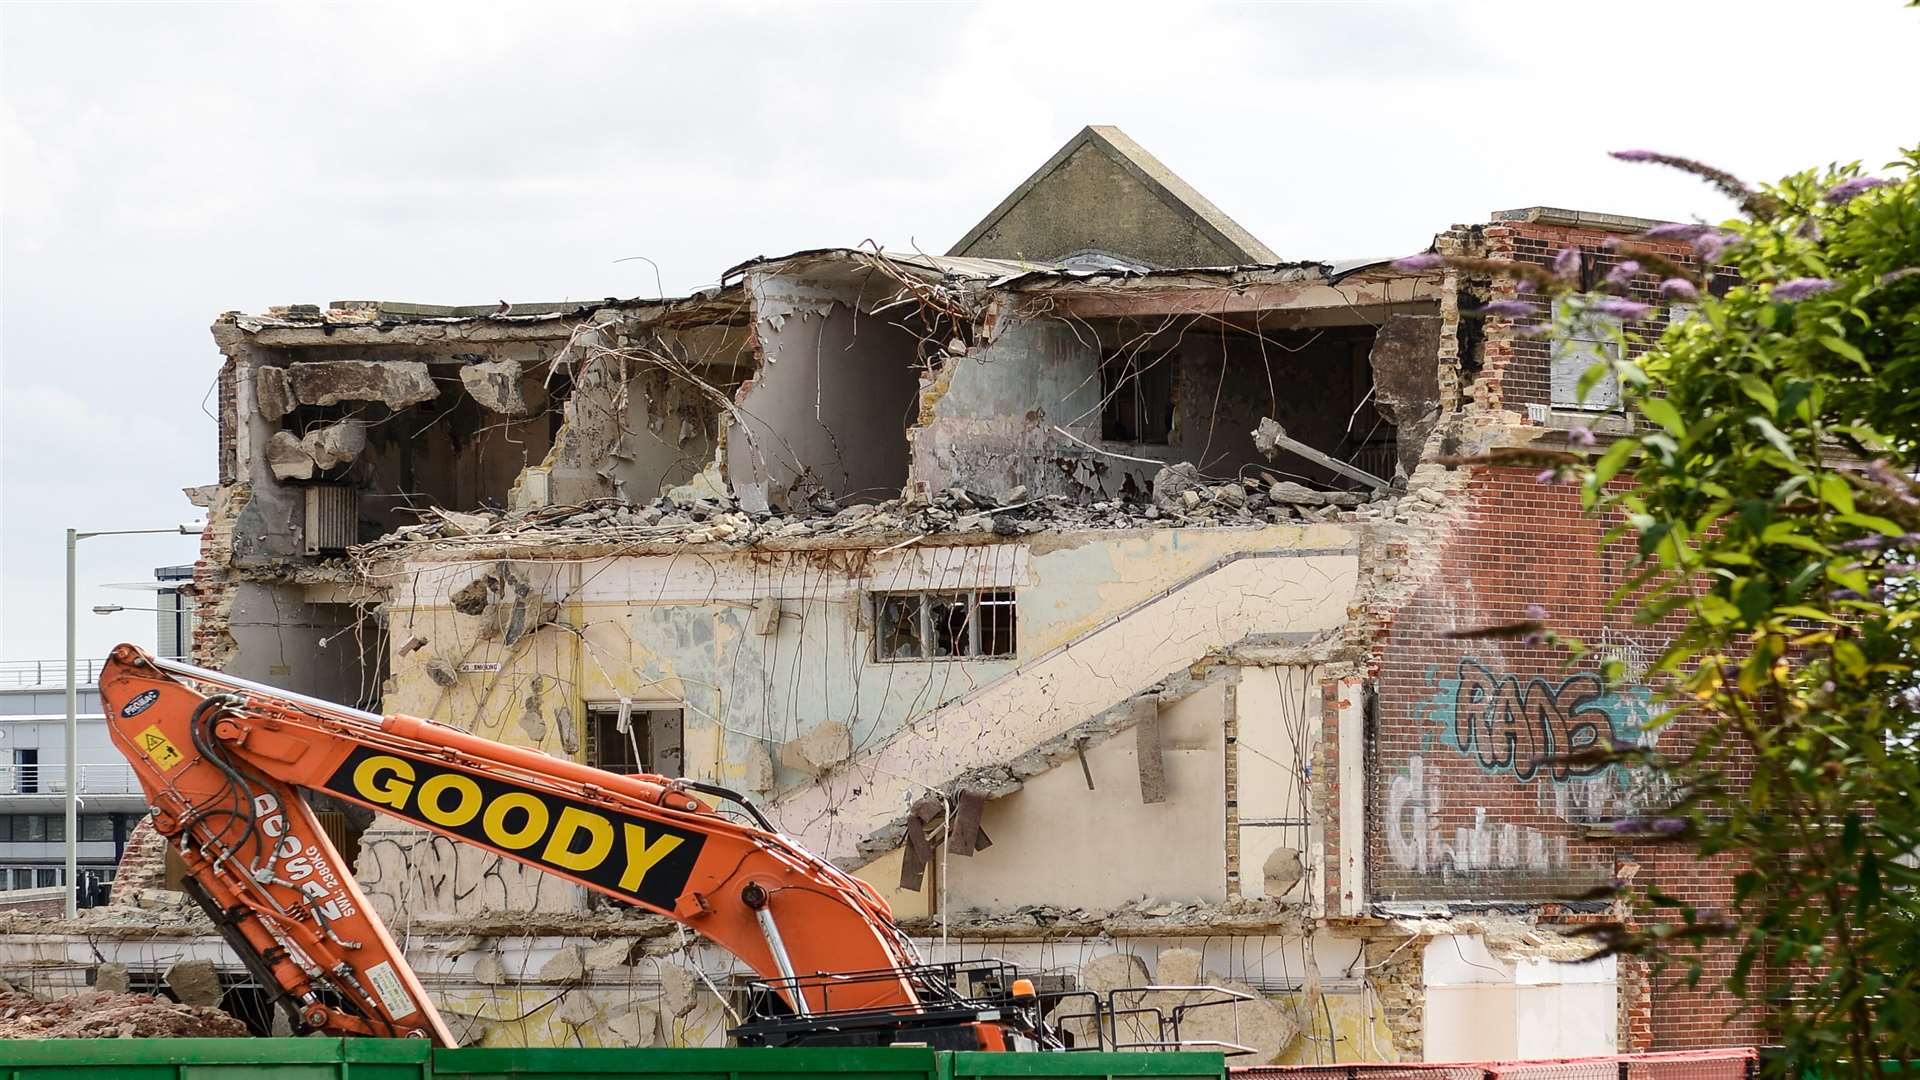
(700, 515)
(97, 1015)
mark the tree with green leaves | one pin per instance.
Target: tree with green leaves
(1770, 489)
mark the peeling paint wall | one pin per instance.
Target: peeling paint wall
(826, 412)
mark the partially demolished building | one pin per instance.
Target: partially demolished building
(1086, 589)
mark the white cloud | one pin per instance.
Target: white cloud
(168, 162)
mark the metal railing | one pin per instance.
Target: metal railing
(23, 673)
(96, 778)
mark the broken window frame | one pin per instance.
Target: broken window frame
(988, 619)
(638, 753)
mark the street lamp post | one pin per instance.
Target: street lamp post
(73, 702)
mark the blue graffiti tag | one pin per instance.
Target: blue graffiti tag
(1528, 727)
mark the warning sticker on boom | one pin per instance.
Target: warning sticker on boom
(393, 996)
(158, 748)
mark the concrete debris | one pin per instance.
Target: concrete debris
(442, 673)
(566, 966)
(195, 982)
(474, 597)
(676, 990)
(577, 1009)
(336, 444)
(638, 1027)
(685, 518)
(1267, 1027)
(287, 456)
(1282, 871)
(495, 384)
(394, 383)
(272, 392)
(489, 971)
(1113, 971)
(110, 978)
(1173, 482)
(828, 744)
(611, 953)
(1177, 967)
(96, 1015)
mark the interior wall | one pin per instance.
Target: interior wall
(828, 409)
(1277, 713)
(673, 425)
(1056, 841)
(282, 640)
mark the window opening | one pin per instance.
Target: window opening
(1136, 394)
(653, 742)
(1582, 339)
(26, 771)
(945, 625)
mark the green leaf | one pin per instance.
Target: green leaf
(1760, 392)
(1874, 522)
(1614, 460)
(1845, 348)
(1772, 434)
(1836, 493)
(1661, 411)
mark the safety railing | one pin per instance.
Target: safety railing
(96, 778)
(24, 673)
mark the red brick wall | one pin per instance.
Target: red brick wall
(1462, 809)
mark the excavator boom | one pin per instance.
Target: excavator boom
(225, 764)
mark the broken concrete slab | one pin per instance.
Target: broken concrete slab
(1178, 967)
(288, 457)
(110, 978)
(396, 384)
(611, 953)
(495, 384)
(829, 743)
(195, 982)
(336, 444)
(567, 965)
(577, 1009)
(489, 971)
(1406, 381)
(1171, 484)
(637, 1027)
(676, 991)
(1104, 974)
(1282, 871)
(1267, 1027)
(272, 392)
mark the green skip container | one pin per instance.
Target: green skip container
(412, 1059)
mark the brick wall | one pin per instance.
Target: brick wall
(229, 421)
(1462, 809)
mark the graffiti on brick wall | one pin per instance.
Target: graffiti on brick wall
(1529, 727)
(1418, 841)
(1525, 729)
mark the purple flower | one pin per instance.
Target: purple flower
(1547, 476)
(1567, 262)
(1626, 310)
(1506, 309)
(1845, 190)
(1635, 155)
(1426, 260)
(1623, 273)
(1710, 244)
(1674, 230)
(1535, 330)
(1536, 612)
(1581, 435)
(1800, 288)
(1677, 288)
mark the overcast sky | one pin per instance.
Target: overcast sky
(167, 162)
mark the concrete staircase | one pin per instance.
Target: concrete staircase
(1289, 594)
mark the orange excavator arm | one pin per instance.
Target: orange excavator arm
(224, 763)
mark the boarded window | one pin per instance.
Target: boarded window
(650, 739)
(1580, 341)
(944, 625)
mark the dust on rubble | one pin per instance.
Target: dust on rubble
(110, 1016)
